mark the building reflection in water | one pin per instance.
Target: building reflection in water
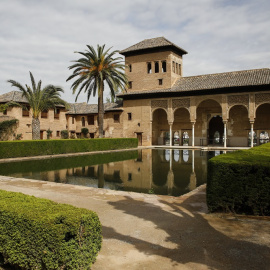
(162, 171)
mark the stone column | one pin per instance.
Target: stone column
(193, 133)
(193, 163)
(251, 131)
(170, 124)
(225, 133)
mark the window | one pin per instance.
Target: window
(149, 67)
(264, 137)
(173, 66)
(160, 81)
(56, 113)
(92, 135)
(73, 119)
(164, 66)
(185, 138)
(91, 119)
(130, 68)
(179, 69)
(57, 133)
(5, 112)
(176, 68)
(129, 176)
(44, 114)
(116, 118)
(25, 111)
(83, 121)
(129, 116)
(130, 85)
(156, 67)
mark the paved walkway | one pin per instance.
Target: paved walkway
(143, 231)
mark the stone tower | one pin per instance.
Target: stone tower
(153, 64)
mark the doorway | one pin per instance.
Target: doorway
(216, 130)
(139, 137)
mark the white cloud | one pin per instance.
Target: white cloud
(41, 36)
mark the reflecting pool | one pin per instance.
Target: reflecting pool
(162, 171)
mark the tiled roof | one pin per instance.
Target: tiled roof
(75, 108)
(13, 96)
(84, 108)
(254, 77)
(150, 44)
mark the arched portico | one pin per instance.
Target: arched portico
(208, 112)
(238, 126)
(160, 127)
(262, 123)
(181, 126)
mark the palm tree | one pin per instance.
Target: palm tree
(92, 70)
(40, 100)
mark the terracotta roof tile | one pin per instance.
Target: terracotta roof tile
(13, 96)
(254, 77)
(84, 108)
(150, 44)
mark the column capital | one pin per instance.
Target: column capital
(225, 122)
(170, 123)
(252, 121)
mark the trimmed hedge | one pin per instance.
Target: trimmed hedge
(10, 149)
(41, 234)
(240, 182)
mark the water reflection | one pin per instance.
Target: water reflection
(167, 172)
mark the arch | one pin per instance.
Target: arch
(262, 121)
(215, 130)
(244, 106)
(205, 111)
(199, 101)
(181, 107)
(238, 126)
(159, 108)
(262, 106)
(181, 123)
(160, 126)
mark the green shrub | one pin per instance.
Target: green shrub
(64, 134)
(240, 182)
(85, 131)
(40, 234)
(10, 149)
(7, 128)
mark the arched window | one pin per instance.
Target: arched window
(156, 67)
(176, 139)
(264, 137)
(83, 121)
(164, 67)
(185, 138)
(149, 67)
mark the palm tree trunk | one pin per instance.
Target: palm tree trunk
(35, 129)
(100, 110)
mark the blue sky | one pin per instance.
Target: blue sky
(41, 36)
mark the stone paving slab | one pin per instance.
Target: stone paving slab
(142, 231)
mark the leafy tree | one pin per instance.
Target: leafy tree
(40, 99)
(92, 70)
